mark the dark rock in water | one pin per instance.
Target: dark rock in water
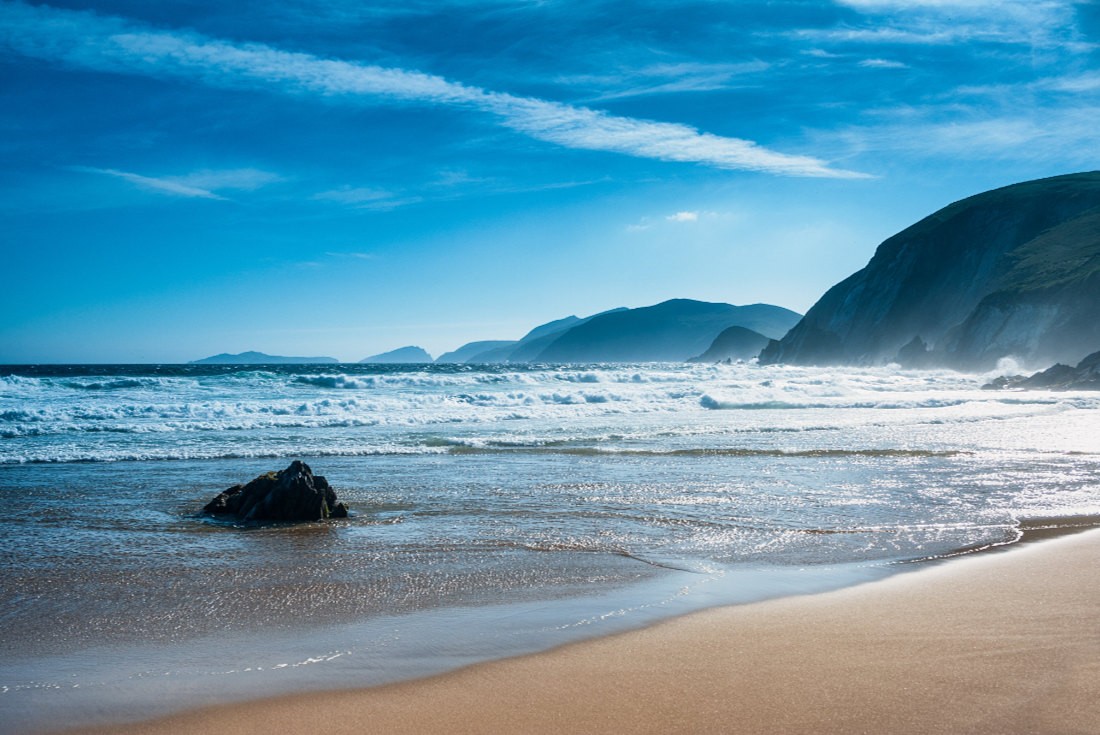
(1086, 376)
(293, 494)
(1003, 382)
(1053, 377)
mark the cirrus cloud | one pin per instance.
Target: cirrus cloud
(91, 41)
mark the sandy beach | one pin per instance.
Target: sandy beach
(992, 643)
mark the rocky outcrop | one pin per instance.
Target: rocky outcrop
(1013, 272)
(732, 344)
(293, 494)
(1086, 376)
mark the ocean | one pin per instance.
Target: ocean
(496, 510)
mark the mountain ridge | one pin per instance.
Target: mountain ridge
(260, 358)
(410, 355)
(672, 331)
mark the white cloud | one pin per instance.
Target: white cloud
(242, 179)
(667, 78)
(88, 40)
(1074, 84)
(952, 6)
(1036, 23)
(196, 185)
(1067, 135)
(686, 216)
(353, 255)
(353, 195)
(378, 200)
(882, 64)
(168, 186)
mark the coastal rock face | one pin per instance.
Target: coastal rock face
(733, 343)
(1086, 376)
(293, 494)
(1013, 272)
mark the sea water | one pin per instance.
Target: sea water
(496, 510)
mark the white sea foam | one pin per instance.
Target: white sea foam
(40, 417)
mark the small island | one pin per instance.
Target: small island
(260, 358)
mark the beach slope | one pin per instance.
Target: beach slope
(991, 643)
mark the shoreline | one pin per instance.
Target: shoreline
(986, 643)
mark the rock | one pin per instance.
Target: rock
(914, 354)
(1003, 382)
(733, 343)
(293, 494)
(1086, 376)
(1053, 377)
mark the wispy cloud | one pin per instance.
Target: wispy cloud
(1068, 135)
(240, 179)
(353, 196)
(666, 78)
(882, 64)
(168, 186)
(354, 255)
(88, 40)
(683, 217)
(196, 185)
(1036, 23)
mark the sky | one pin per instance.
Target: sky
(186, 177)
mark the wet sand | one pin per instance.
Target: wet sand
(990, 643)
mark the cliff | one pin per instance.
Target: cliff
(1013, 272)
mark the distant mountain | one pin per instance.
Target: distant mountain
(259, 358)
(733, 343)
(555, 327)
(1013, 272)
(672, 331)
(524, 349)
(528, 348)
(402, 355)
(472, 349)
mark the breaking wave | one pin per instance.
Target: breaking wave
(88, 413)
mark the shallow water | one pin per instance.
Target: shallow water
(496, 510)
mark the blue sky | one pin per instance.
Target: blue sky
(184, 177)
